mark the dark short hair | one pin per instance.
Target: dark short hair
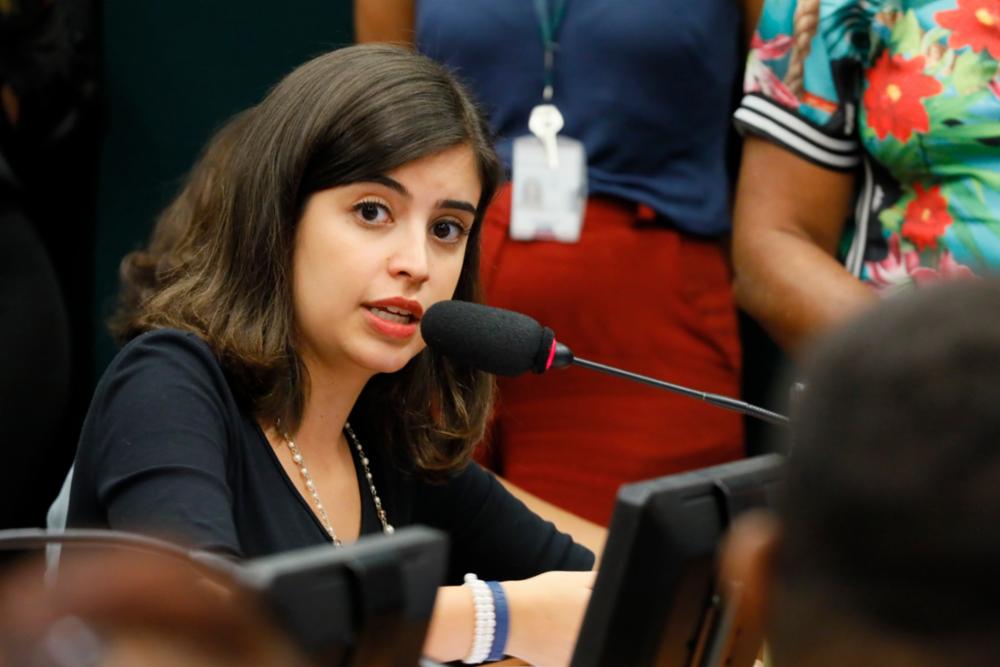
(220, 261)
(892, 504)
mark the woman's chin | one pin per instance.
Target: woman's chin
(388, 369)
(390, 363)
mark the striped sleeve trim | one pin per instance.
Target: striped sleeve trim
(760, 115)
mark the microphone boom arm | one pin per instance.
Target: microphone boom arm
(715, 399)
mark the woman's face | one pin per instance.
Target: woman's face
(371, 257)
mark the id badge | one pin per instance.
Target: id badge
(548, 202)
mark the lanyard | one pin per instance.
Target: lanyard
(549, 19)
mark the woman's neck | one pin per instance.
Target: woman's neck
(329, 401)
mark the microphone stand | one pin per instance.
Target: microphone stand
(562, 352)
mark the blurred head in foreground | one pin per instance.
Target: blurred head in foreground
(885, 543)
(125, 608)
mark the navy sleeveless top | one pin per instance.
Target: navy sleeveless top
(648, 86)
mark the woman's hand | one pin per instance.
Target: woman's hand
(546, 612)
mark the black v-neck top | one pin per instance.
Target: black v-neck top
(166, 450)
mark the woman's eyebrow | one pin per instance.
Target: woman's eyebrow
(456, 204)
(388, 182)
(393, 184)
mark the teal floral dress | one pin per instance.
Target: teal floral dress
(907, 93)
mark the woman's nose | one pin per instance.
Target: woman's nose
(409, 256)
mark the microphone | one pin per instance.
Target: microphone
(494, 340)
(504, 342)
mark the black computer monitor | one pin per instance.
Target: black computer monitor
(365, 604)
(655, 600)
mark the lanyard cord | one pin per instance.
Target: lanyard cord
(549, 19)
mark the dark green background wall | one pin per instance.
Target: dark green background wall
(174, 70)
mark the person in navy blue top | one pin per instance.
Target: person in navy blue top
(647, 87)
(274, 392)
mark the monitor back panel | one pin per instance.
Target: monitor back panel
(654, 599)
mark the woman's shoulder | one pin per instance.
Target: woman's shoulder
(168, 340)
(166, 347)
(166, 363)
(159, 381)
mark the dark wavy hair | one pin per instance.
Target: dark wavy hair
(219, 261)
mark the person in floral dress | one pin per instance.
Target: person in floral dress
(872, 159)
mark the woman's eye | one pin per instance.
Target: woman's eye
(371, 212)
(448, 231)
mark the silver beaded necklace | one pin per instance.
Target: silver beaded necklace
(300, 461)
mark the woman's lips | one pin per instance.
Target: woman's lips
(396, 317)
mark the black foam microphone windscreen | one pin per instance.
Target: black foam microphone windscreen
(491, 339)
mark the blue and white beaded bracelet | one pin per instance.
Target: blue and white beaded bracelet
(482, 639)
(502, 622)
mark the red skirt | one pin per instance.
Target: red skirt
(632, 293)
